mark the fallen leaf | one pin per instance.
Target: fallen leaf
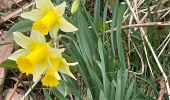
(5, 51)
(7, 4)
(17, 95)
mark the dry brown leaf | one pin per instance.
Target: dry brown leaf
(7, 4)
(3, 72)
(162, 86)
(3, 6)
(5, 51)
(17, 95)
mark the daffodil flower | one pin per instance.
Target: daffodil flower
(38, 58)
(49, 18)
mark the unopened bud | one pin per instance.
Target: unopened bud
(75, 6)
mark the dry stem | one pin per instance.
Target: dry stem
(15, 88)
(140, 25)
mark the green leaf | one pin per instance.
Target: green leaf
(124, 81)
(103, 69)
(22, 26)
(112, 93)
(47, 95)
(97, 14)
(64, 89)
(136, 35)
(105, 16)
(58, 93)
(114, 8)
(118, 86)
(102, 96)
(89, 95)
(8, 64)
(119, 38)
(129, 91)
(73, 87)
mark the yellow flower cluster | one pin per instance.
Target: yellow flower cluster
(37, 57)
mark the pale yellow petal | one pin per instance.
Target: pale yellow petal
(56, 53)
(64, 68)
(73, 64)
(54, 31)
(32, 15)
(18, 53)
(61, 8)
(44, 5)
(57, 76)
(37, 36)
(22, 40)
(39, 70)
(67, 26)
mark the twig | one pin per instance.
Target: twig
(165, 14)
(130, 41)
(27, 93)
(164, 47)
(150, 47)
(142, 62)
(3, 19)
(163, 42)
(15, 88)
(139, 25)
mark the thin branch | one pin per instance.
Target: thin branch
(15, 88)
(165, 14)
(164, 47)
(163, 42)
(27, 93)
(139, 25)
(141, 59)
(26, 6)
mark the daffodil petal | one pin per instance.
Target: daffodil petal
(61, 8)
(18, 53)
(37, 36)
(54, 31)
(44, 5)
(22, 40)
(39, 70)
(56, 53)
(64, 68)
(73, 64)
(32, 15)
(57, 76)
(66, 26)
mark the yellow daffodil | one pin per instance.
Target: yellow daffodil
(75, 6)
(38, 58)
(48, 18)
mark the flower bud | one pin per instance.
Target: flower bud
(75, 6)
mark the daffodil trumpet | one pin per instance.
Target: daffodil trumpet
(49, 18)
(38, 58)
